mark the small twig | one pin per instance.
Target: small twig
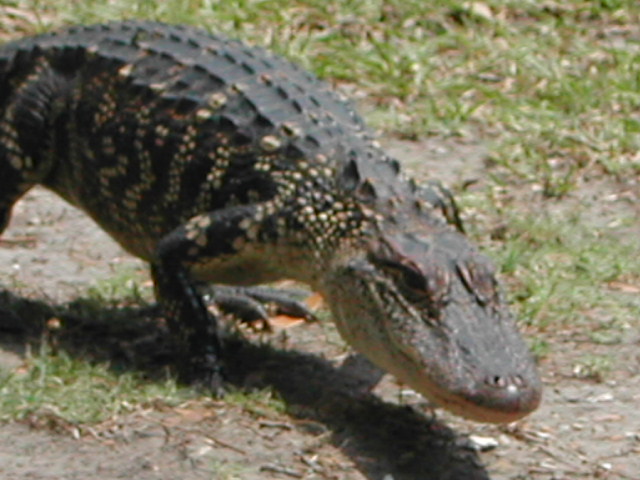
(280, 425)
(23, 241)
(558, 456)
(312, 463)
(277, 469)
(220, 443)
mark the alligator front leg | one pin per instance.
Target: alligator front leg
(212, 247)
(194, 328)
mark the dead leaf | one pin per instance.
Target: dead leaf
(314, 301)
(285, 321)
(624, 287)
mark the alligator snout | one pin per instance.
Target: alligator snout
(515, 392)
(503, 398)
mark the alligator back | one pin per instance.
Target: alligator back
(156, 123)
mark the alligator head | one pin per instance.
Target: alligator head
(427, 309)
(422, 303)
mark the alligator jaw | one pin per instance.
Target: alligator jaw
(480, 402)
(508, 406)
(490, 398)
(505, 411)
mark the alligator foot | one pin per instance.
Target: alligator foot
(206, 374)
(256, 304)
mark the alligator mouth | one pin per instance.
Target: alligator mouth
(485, 403)
(488, 406)
(504, 410)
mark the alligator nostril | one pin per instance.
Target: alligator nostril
(496, 381)
(505, 382)
(506, 395)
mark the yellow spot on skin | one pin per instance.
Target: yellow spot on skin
(191, 234)
(126, 70)
(245, 223)
(203, 114)
(266, 78)
(291, 129)
(158, 87)
(238, 88)
(262, 166)
(270, 143)
(162, 131)
(204, 221)
(217, 100)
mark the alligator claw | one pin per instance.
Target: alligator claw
(256, 304)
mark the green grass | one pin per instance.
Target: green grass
(555, 87)
(78, 391)
(260, 403)
(552, 87)
(593, 367)
(562, 270)
(75, 390)
(125, 286)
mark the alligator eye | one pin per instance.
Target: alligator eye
(413, 278)
(426, 290)
(426, 285)
(407, 277)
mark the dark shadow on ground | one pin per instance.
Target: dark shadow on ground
(384, 440)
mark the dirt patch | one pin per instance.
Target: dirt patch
(333, 427)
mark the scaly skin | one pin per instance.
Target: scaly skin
(221, 163)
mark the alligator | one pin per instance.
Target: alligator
(222, 164)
